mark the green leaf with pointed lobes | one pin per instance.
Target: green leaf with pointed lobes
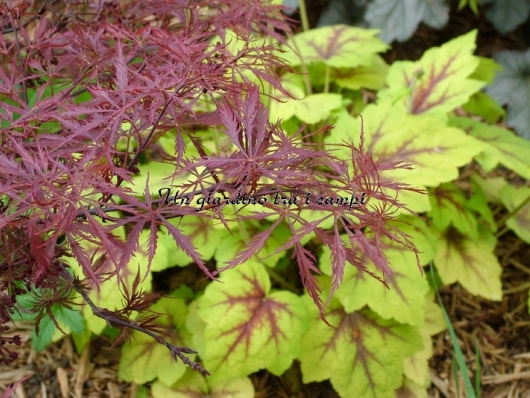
(439, 82)
(404, 298)
(417, 366)
(434, 150)
(338, 46)
(248, 327)
(512, 197)
(362, 356)
(472, 263)
(448, 208)
(500, 146)
(194, 385)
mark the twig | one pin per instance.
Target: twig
(116, 321)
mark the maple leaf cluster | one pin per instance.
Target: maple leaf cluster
(88, 89)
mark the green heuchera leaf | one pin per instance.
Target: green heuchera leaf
(512, 87)
(506, 15)
(486, 70)
(480, 103)
(362, 356)
(371, 76)
(317, 107)
(483, 105)
(193, 385)
(230, 244)
(501, 146)
(398, 19)
(417, 366)
(409, 389)
(338, 46)
(439, 82)
(202, 235)
(479, 204)
(519, 223)
(448, 208)
(404, 299)
(143, 359)
(490, 186)
(309, 109)
(472, 263)
(249, 327)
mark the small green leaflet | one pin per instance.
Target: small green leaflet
(362, 356)
(338, 46)
(472, 263)
(194, 385)
(512, 198)
(439, 82)
(144, 359)
(68, 319)
(248, 327)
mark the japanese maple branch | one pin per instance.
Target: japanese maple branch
(136, 157)
(117, 321)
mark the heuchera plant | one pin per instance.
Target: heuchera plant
(91, 94)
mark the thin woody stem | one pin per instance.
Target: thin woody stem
(117, 321)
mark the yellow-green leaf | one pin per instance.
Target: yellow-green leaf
(472, 263)
(437, 83)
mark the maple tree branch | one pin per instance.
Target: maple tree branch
(117, 321)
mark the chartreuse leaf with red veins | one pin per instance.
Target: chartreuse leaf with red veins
(144, 359)
(404, 298)
(501, 146)
(417, 366)
(362, 355)
(338, 46)
(434, 150)
(439, 82)
(248, 327)
(512, 198)
(194, 385)
(470, 262)
(448, 207)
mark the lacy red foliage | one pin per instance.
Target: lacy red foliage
(145, 64)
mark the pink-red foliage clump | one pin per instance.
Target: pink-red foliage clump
(72, 75)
